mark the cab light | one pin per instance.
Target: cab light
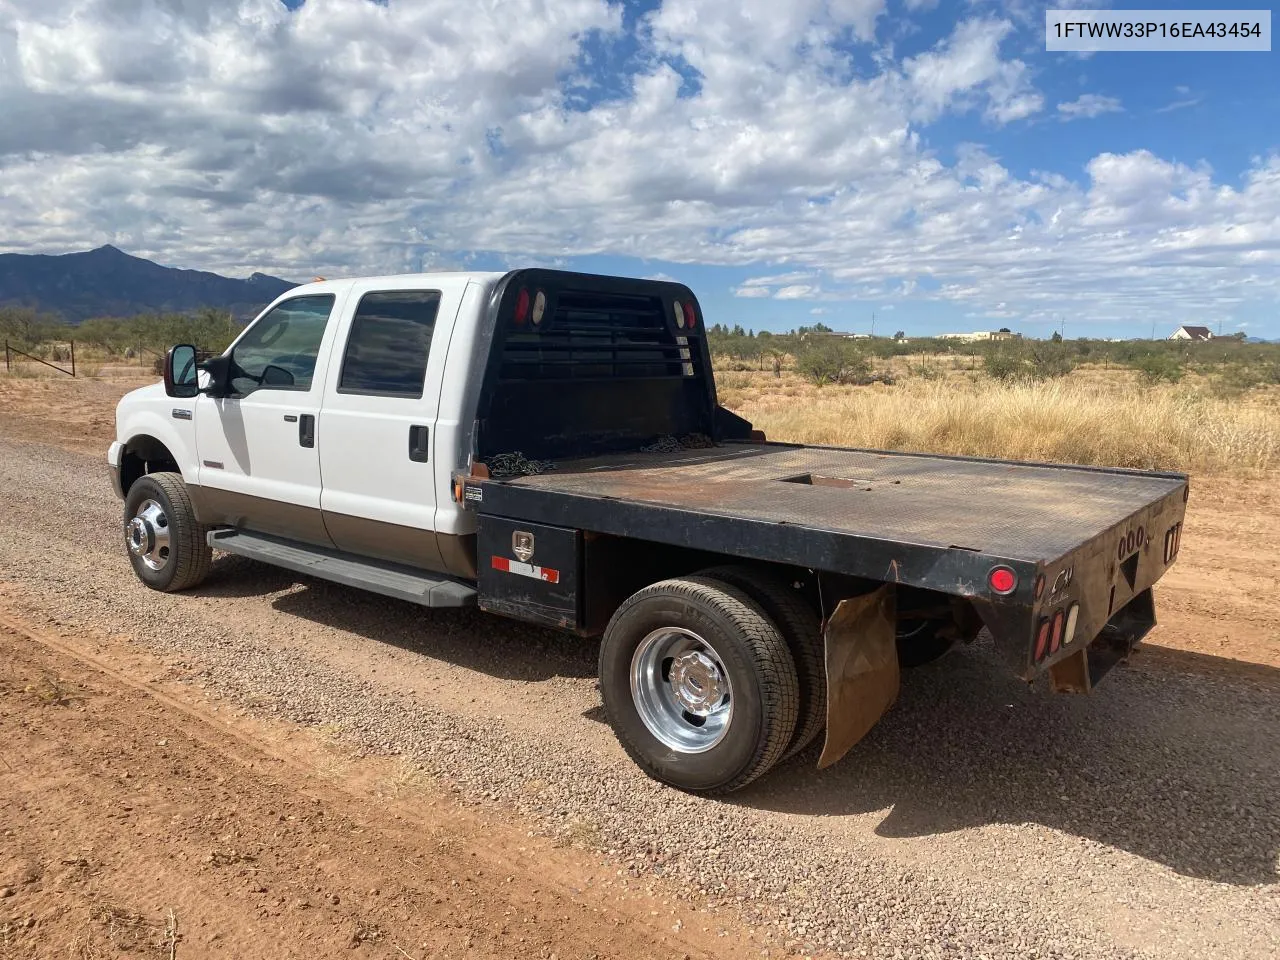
(690, 318)
(678, 309)
(539, 307)
(522, 308)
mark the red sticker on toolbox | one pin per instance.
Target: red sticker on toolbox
(546, 574)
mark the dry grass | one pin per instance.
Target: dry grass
(1084, 418)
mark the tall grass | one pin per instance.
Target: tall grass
(1068, 421)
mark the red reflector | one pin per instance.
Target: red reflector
(1002, 580)
(522, 308)
(1042, 640)
(1057, 633)
(690, 319)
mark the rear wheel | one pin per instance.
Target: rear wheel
(922, 641)
(166, 543)
(802, 629)
(698, 684)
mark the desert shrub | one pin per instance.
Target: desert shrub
(1154, 367)
(833, 361)
(1049, 360)
(1005, 363)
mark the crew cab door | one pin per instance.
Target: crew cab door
(378, 420)
(259, 460)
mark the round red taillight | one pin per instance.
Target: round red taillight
(690, 318)
(522, 308)
(1002, 580)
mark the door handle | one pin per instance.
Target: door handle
(419, 443)
(307, 430)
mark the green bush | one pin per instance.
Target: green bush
(1155, 367)
(833, 361)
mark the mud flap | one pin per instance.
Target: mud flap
(862, 669)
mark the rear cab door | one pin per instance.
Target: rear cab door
(377, 428)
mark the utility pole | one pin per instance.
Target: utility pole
(873, 324)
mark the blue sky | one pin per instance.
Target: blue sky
(925, 162)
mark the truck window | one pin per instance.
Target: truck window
(279, 351)
(387, 348)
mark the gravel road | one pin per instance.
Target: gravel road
(980, 819)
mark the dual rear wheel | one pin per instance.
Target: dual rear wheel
(702, 684)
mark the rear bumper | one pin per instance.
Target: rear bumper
(114, 454)
(1081, 670)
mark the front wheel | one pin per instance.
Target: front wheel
(166, 544)
(698, 684)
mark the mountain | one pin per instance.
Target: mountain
(111, 283)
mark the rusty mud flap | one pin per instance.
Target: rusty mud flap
(862, 669)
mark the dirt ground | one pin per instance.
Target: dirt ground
(143, 815)
(141, 820)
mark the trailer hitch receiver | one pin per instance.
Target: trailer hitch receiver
(862, 669)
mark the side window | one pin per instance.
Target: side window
(279, 352)
(390, 338)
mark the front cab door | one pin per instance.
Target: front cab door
(258, 447)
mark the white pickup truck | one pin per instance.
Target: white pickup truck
(548, 446)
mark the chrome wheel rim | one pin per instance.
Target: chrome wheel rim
(681, 690)
(147, 535)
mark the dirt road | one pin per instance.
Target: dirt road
(981, 818)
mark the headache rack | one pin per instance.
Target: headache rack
(598, 336)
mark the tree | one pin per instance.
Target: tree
(1004, 330)
(900, 335)
(1057, 337)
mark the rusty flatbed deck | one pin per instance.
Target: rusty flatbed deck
(1034, 513)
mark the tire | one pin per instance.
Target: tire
(165, 543)
(922, 641)
(802, 629)
(720, 637)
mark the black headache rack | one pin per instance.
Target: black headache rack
(1093, 539)
(582, 365)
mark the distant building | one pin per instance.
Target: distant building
(1192, 333)
(980, 335)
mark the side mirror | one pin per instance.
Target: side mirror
(181, 376)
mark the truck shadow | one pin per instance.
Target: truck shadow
(501, 648)
(1175, 759)
(1181, 768)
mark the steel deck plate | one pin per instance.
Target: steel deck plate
(1034, 512)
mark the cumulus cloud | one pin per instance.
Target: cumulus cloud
(1088, 105)
(350, 136)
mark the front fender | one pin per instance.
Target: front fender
(181, 443)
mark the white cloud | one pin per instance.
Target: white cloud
(354, 137)
(966, 68)
(1089, 105)
(798, 291)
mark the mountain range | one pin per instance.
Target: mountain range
(107, 282)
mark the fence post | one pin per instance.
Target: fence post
(73, 359)
(6, 356)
